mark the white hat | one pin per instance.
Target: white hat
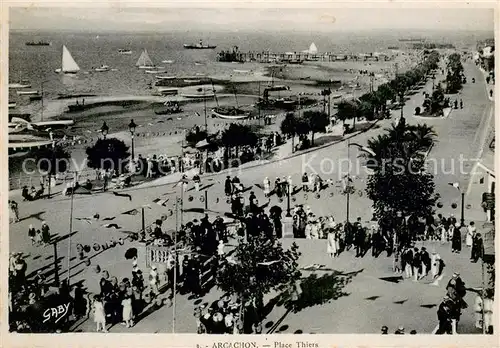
(154, 267)
(458, 224)
(134, 263)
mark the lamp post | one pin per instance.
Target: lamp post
(104, 130)
(131, 127)
(462, 195)
(288, 191)
(41, 90)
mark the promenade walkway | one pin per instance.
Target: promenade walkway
(456, 134)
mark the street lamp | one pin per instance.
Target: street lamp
(462, 194)
(288, 214)
(104, 130)
(42, 97)
(131, 127)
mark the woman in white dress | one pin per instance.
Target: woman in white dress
(471, 229)
(99, 315)
(308, 230)
(444, 236)
(127, 311)
(435, 264)
(314, 230)
(267, 186)
(332, 245)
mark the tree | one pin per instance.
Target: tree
(455, 73)
(258, 267)
(109, 153)
(52, 160)
(238, 135)
(347, 110)
(289, 126)
(399, 181)
(317, 121)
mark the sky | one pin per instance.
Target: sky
(248, 19)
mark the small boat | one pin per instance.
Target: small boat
(168, 91)
(230, 113)
(157, 70)
(68, 64)
(192, 81)
(38, 43)
(241, 71)
(35, 97)
(144, 62)
(168, 61)
(102, 68)
(199, 46)
(198, 63)
(124, 51)
(12, 105)
(165, 77)
(27, 92)
(19, 85)
(197, 96)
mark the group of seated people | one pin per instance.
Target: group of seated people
(33, 193)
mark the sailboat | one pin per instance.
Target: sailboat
(144, 62)
(229, 112)
(69, 65)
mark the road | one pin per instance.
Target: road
(456, 135)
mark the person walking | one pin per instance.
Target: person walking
(228, 186)
(197, 182)
(127, 311)
(153, 280)
(471, 230)
(416, 264)
(32, 234)
(45, 233)
(99, 315)
(267, 187)
(407, 257)
(331, 243)
(426, 262)
(305, 182)
(456, 241)
(14, 211)
(477, 248)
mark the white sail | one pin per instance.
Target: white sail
(68, 63)
(313, 49)
(144, 60)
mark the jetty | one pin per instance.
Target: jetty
(298, 57)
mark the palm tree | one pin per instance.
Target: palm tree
(403, 141)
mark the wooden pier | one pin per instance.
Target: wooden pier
(298, 57)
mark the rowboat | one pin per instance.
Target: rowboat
(19, 85)
(167, 91)
(198, 96)
(168, 61)
(27, 92)
(192, 81)
(230, 113)
(165, 77)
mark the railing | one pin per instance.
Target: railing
(19, 180)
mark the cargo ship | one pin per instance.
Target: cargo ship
(199, 46)
(38, 43)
